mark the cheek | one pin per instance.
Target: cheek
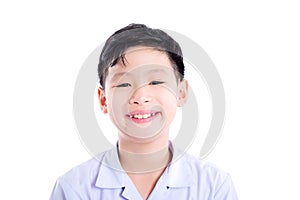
(115, 102)
(170, 113)
(169, 103)
(168, 92)
(117, 98)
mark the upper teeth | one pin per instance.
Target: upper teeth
(139, 116)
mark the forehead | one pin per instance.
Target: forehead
(139, 57)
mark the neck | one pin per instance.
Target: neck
(144, 162)
(150, 145)
(144, 156)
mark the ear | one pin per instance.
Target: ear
(102, 100)
(182, 93)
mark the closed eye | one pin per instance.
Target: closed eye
(123, 85)
(155, 82)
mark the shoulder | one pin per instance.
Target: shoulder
(203, 176)
(86, 172)
(198, 168)
(81, 181)
(203, 168)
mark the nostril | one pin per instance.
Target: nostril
(139, 100)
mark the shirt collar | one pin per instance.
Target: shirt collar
(178, 173)
(111, 174)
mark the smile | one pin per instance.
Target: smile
(142, 116)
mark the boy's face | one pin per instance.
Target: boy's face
(142, 96)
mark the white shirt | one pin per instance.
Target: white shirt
(184, 178)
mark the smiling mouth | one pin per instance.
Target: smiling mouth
(142, 117)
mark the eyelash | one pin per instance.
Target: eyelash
(123, 85)
(155, 82)
(151, 83)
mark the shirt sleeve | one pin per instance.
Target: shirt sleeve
(63, 191)
(226, 191)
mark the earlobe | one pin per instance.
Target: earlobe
(182, 93)
(102, 100)
(104, 109)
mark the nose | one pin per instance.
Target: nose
(140, 97)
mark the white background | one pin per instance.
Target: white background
(254, 44)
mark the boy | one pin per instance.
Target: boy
(141, 73)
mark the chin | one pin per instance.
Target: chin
(142, 140)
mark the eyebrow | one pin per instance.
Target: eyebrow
(120, 74)
(117, 75)
(158, 70)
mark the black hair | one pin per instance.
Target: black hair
(138, 35)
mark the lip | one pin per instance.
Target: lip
(151, 115)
